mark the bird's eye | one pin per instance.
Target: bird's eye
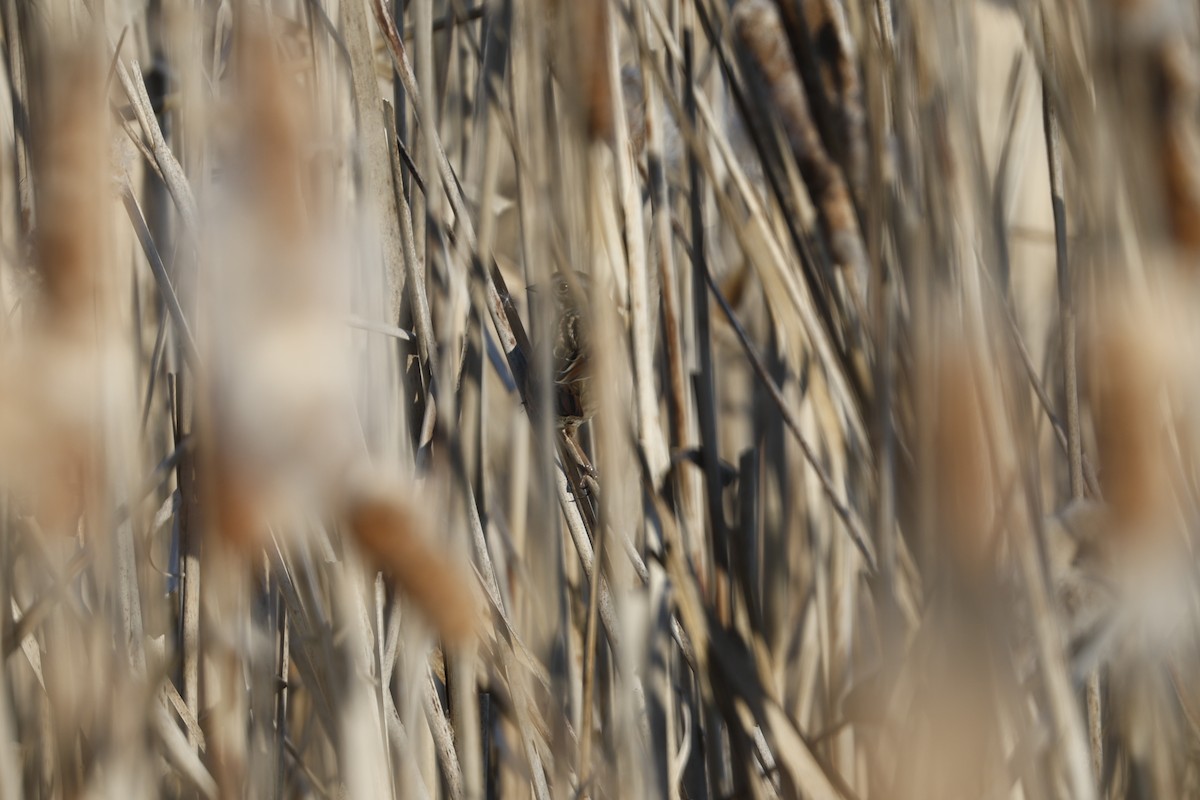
(563, 287)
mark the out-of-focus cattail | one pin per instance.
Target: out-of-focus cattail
(281, 434)
(1128, 364)
(62, 384)
(773, 75)
(73, 166)
(1159, 70)
(580, 28)
(394, 530)
(1180, 155)
(1180, 143)
(591, 27)
(236, 494)
(963, 465)
(277, 125)
(278, 387)
(1138, 366)
(942, 748)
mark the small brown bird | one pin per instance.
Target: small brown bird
(572, 399)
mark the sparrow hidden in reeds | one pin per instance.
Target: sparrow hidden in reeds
(572, 398)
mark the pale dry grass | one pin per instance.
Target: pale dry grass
(894, 348)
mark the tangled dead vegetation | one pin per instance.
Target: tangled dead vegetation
(599, 398)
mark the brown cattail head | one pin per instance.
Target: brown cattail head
(1180, 145)
(590, 21)
(582, 58)
(48, 459)
(74, 191)
(276, 134)
(237, 499)
(392, 529)
(963, 468)
(1155, 68)
(1128, 358)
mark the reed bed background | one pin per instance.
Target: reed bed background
(894, 339)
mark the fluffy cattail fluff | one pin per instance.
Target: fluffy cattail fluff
(278, 376)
